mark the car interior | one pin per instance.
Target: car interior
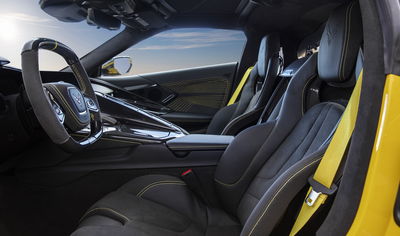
(225, 149)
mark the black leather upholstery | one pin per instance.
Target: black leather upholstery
(337, 56)
(155, 205)
(290, 165)
(260, 173)
(243, 158)
(252, 99)
(269, 47)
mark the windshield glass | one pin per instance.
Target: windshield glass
(23, 20)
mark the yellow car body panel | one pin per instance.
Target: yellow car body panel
(375, 215)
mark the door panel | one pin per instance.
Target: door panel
(193, 95)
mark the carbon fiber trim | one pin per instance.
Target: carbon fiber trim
(205, 94)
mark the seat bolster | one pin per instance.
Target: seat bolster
(136, 228)
(221, 119)
(273, 204)
(286, 172)
(101, 230)
(127, 208)
(144, 184)
(269, 48)
(156, 205)
(241, 162)
(241, 122)
(236, 158)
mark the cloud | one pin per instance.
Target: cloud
(192, 39)
(25, 17)
(211, 36)
(180, 34)
(175, 47)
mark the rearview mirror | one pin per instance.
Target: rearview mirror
(117, 66)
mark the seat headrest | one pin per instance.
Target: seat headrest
(269, 47)
(340, 42)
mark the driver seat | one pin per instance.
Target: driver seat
(262, 170)
(256, 91)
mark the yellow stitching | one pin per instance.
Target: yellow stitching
(348, 35)
(55, 46)
(247, 169)
(344, 49)
(348, 28)
(78, 76)
(239, 118)
(302, 94)
(229, 185)
(104, 209)
(279, 190)
(66, 104)
(145, 189)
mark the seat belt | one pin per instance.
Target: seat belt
(240, 86)
(321, 184)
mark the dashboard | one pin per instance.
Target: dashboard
(126, 116)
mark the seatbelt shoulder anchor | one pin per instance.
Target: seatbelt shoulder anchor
(317, 189)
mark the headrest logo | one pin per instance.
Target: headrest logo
(330, 33)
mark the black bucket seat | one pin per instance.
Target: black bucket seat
(261, 171)
(256, 91)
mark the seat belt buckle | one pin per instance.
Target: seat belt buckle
(312, 197)
(317, 189)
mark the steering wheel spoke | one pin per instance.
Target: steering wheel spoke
(91, 105)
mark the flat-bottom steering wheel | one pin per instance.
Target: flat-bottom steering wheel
(61, 106)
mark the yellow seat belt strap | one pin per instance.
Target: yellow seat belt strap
(322, 182)
(240, 86)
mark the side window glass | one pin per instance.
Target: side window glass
(178, 49)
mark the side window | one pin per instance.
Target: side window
(179, 49)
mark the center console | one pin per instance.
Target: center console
(134, 142)
(151, 141)
(124, 121)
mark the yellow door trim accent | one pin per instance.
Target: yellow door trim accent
(240, 86)
(330, 162)
(375, 215)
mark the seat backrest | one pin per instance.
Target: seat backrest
(272, 108)
(258, 87)
(267, 165)
(254, 145)
(260, 84)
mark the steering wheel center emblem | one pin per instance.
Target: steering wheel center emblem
(77, 99)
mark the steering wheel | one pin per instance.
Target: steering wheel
(61, 107)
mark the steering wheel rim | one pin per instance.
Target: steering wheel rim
(54, 103)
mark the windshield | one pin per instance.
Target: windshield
(23, 20)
